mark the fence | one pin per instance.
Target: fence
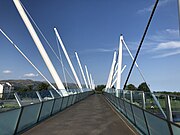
(34, 108)
(147, 122)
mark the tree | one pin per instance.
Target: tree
(143, 87)
(30, 87)
(43, 86)
(100, 87)
(130, 87)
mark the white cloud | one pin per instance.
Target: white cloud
(168, 45)
(163, 43)
(164, 35)
(7, 71)
(167, 54)
(149, 9)
(100, 50)
(31, 75)
(105, 50)
(167, 49)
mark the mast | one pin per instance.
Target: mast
(68, 59)
(118, 83)
(179, 13)
(111, 72)
(18, 49)
(91, 81)
(87, 74)
(115, 80)
(40, 47)
(82, 72)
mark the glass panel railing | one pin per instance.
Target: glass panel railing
(64, 102)
(137, 98)
(127, 95)
(57, 105)
(46, 109)
(121, 103)
(35, 106)
(55, 94)
(140, 120)
(8, 102)
(8, 121)
(175, 107)
(175, 129)
(28, 98)
(129, 111)
(80, 96)
(151, 105)
(77, 97)
(147, 120)
(156, 125)
(117, 102)
(45, 95)
(29, 116)
(70, 100)
(74, 98)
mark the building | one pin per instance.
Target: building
(5, 88)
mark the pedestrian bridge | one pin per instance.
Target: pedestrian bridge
(79, 114)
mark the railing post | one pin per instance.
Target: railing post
(41, 102)
(18, 121)
(131, 97)
(131, 102)
(168, 108)
(39, 96)
(18, 99)
(123, 95)
(143, 101)
(54, 99)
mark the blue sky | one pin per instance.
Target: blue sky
(92, 28)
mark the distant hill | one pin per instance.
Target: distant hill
(22, 84)
(25, 85)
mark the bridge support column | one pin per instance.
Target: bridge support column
(118, 83)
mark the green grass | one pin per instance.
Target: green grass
(11, 106)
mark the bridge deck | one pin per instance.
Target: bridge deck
(92, 116)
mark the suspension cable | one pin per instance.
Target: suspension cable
(140, 71)
(18, 49)
(46, 41)
(146, 29)
(62, 63)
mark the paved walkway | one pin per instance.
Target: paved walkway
(92, 116)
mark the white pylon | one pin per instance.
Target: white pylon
(111, 71)
(93, 85)
(82, 72)
(68, 59)
(91, 81)
(115, 80)
(118, 83)
(19, 50)
(87, 74)
(40, 47)
(179, 13)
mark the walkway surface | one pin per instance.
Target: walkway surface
(92, 116)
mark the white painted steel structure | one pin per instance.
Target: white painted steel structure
(87, 74)
(111, 71)
(115, 79)
(118, 83)
(40, 47)
(91, 81)
(18, 49)
(68, 59)
(82, 72)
